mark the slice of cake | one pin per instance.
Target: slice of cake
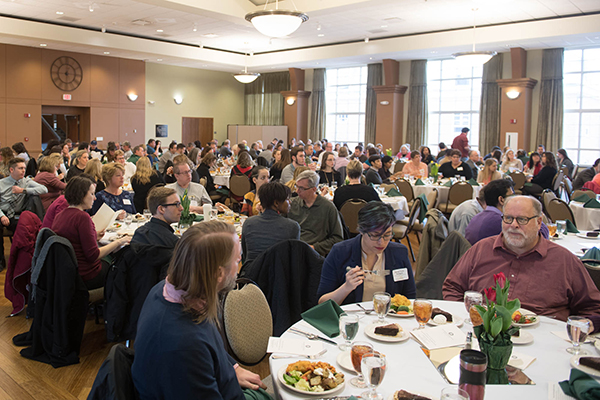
(404, 395)
(387, 330)
(438, 311)
(590, 362)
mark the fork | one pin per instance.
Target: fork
(364, 309)
(311, 356)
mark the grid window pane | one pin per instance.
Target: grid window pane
(572, 91)
(590, 96)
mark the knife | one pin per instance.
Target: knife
(312, 336)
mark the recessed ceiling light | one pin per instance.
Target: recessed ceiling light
(321, 35)
(366, 40)
(59, 13)
(210, 35)
(107, 52)
(434, 52)
(43, 45)
(370, 58)
(159, 30)
(384, 26)
(159, 59)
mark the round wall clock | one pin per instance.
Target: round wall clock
(66, 73)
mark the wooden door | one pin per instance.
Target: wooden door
(196, 129)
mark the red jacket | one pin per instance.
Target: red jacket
(18, 274)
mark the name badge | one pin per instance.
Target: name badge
(193, 203)
(127, 202)
(400, 274)
(459, 168)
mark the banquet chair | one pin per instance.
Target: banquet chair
(398, 167)
(245, 322)
(589, 193)
(594, 270)
(547, 195)
(458, 193)
(557, 181)
(342, 171)
(519, 180)
(564, 170)
(349, 211)
(114, 380)
(388, 186)
(406, 189)
(559, 210)
(574, 174)
(402, 231)
(567, 189)
(432, 199)
(239, 185)
(203, 181)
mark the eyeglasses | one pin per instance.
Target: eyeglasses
(376, 238)
(176, 204)
(302, 189)
(189, 172)
(507, 219)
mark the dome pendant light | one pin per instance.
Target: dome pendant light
(246, 77)
(276, 23)
(474, 58)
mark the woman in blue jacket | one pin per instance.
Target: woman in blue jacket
(357, 268)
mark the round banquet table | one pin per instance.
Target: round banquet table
(410, 369)
(221, 179)
(442, 192)
(585, 218)
(576, 244)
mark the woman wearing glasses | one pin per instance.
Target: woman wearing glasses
(357, 268)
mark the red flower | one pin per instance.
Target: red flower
(500, 278)
(490, 294)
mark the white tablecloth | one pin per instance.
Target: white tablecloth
(410, 369)
(585, 218)
(576, 244)
(222, 180)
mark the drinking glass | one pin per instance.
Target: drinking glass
(472, 298)
(128, 220)
(147, 214)
(213, 213)
(381, 304)
(551, 229)
(348, 329)
(454, 393)
(422, 309)
(357, 351)
(424, 173)
(577, 329)
(373, 366)
(561, 227)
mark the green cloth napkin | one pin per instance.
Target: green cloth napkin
(259, 394)
(582, 198)
(448, 184)
(571, 228)
(419, 182)
(325, 317)
(528, 184)
(394, 193)
(423, 210)
(581, 386)
(592, 203)
(199, 217)
(592, 255)
(473, 182)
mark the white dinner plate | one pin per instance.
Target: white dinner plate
(391, 397)
(458, 321)
(304, 392)
(523, 338)
(582, 235)
(370, 332)
(597, 344)
(524, 311)
(344, 360)
(393, 314)
(554, 238)
(590, 371)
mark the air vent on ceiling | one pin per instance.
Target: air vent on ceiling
(68, 19)
(377, 31)
(141, 22)
(393, 19)
(166, 20)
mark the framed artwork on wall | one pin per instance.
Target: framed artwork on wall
(162, 130)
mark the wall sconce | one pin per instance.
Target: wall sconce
(384, 103)
(290, 101)
(151, 102)
(132, 96)
(178, 100)
(513, 94)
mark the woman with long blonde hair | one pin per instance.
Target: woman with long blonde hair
(144, 179)
(94, 169)
(490, 172)
(79, 163)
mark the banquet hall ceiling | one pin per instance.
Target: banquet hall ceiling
(214, 34)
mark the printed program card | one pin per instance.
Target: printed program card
(294, 346)
(440, 337)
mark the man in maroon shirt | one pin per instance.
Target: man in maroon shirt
(547, 278)
(461, 143)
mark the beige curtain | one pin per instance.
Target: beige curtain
(374, 78)
(318, 111)
(263, 100)
(550, 116)
(489, 106)
(416, 131)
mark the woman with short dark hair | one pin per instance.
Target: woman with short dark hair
(545, 179)
(357, 268)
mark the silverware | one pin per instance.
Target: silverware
(364, 309)
(312, 336)
(311, 356)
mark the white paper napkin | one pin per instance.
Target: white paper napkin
(520, 360)
(564, 336)
(556, 393)
(294, 346)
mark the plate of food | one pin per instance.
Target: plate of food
(386, 333)
(441, 317)
(588, 364)
(308, 377)
(138, 217)
(401, 307)
(588, 235)
(525, 318)
(344, 360)
(522, 337)
(406, 395)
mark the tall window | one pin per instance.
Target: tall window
(453, 93)
(346, 97)
(581, 126)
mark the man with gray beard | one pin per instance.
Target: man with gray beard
(547, 278)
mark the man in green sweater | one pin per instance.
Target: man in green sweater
(138, 152)
(320, 224)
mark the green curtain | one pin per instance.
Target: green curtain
(416, 130)
(550, 116)
(318, 111)
(374, 78)
(489, 106)
(263, 100)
